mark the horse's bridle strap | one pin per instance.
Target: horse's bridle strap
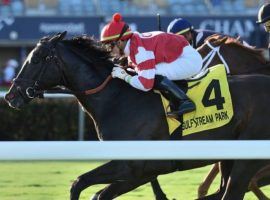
(35, 87)
(209, 57)
(99, 88)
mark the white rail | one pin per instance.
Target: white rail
(135, 150)
(2, 95)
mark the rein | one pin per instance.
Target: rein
(97, 89)
(85, 92)
(94, 90)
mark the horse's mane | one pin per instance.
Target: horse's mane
(90, 47)
(219, 40)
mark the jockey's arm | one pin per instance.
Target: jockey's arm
(145, 68)
(144, 80)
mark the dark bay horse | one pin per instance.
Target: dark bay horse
(239, 59)
(122, 113)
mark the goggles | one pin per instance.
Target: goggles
(110, 45)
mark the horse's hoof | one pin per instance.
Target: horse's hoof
(202, 194)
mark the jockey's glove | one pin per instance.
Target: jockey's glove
(118, 72)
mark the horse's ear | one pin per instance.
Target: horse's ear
(62, 35)
(58, 37)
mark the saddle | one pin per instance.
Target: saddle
(210, 92)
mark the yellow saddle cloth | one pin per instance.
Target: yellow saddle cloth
(212, 97)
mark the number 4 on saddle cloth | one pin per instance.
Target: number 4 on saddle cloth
(212, 98)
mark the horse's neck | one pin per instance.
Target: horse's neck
(81, 74)
(80, 77)
(118, 110)
(96, 104)
(100, 103)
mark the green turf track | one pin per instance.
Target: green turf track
(51, 180)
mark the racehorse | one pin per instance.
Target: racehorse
(238, 59)
(121, 112)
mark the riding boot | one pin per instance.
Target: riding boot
(186, 105)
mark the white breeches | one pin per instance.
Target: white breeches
(188, 64)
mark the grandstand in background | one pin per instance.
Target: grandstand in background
(23, 22)
(127, 7)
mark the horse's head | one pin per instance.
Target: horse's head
(40, 71)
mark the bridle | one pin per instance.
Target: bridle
(35, 90)
(210, 56)
(216, 51)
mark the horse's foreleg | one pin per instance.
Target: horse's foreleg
(253, 185)
(208, 180)
(95, 197)
(116, 189)
(159, 194)
(241, 174)
(107, 173)
(120, 171)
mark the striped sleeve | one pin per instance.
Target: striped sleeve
(146, 70)
(144, 80)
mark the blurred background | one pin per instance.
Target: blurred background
(24, 22)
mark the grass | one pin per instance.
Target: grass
(51, 180)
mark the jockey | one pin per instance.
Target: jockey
(157, 57)
(183, 27)
(195, 37)
(264, 18)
